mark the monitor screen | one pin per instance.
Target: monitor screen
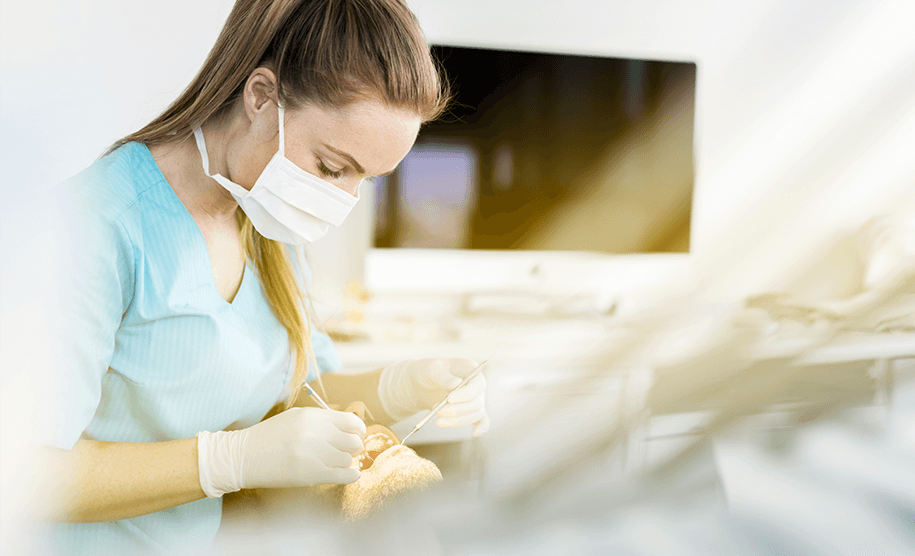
(548, 151)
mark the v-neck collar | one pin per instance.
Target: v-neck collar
(204, 263)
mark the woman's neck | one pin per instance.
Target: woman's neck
(181, 164)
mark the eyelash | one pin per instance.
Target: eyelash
(327, 172)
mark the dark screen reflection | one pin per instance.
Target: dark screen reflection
(548, 151)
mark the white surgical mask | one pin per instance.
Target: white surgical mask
(286, 204)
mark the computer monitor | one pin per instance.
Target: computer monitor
(549, 170)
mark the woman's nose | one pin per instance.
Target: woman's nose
(351, 186)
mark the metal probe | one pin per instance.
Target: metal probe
(442, 403)
(314, 395)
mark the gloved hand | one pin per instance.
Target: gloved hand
(408, 387)
(298, 447)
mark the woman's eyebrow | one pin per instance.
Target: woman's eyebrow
(345, 155)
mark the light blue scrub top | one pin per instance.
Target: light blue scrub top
(149, 350)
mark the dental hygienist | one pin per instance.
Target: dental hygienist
(181, 320)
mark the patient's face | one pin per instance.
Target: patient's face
(388, 470)
(377, 440)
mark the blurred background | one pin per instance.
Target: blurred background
(700, 303)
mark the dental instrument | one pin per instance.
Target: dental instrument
(442, 403)
(314, 396)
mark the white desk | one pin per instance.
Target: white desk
(519, 366)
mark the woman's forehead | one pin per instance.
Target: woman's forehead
(376, 136)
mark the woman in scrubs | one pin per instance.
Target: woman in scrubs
(183, 320)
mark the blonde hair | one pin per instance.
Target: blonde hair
(324, 52)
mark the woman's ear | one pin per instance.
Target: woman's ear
(260, 94)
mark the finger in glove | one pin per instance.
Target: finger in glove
(460, 409)
(448, 422)
(348, 422)
(481, 427)
(469, 391)
(332, 457)
(346, 442)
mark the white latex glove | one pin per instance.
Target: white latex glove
(408, 387)
(298, 447)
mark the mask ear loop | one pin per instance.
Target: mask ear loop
(280, 111)
(202, 147)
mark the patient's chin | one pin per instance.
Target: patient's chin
(391, 473)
